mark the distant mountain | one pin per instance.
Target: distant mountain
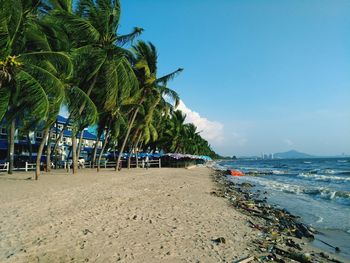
(292, 154)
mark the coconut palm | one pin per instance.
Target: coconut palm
(28, 67)
(103, 63)
(145, 64)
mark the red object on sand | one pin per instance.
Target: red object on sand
(236, 173)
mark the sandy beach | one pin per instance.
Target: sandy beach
(138, 215)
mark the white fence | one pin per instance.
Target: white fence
(4, 167)
(139, 164)
(27, 167)
(152, 162)
(31, 166)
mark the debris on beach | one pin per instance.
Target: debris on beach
(280, 233)
(219, 240)
(86, 231)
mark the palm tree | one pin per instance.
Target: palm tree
(145, 64)
(176, 131)
(113, 120)
(28, 67)
(98, 49)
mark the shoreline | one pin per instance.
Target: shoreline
(298, 244)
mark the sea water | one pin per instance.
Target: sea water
(317, 190)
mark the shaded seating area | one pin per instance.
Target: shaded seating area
(178, 160)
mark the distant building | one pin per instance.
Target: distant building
(267, 156)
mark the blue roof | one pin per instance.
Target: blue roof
(61, 119)
(87, 135)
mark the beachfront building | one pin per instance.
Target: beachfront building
(65, 143)
(28, 144)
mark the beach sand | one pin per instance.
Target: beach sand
(138, 215)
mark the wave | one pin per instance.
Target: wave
(279, 172)
(326, 193)
(218, 166)
(325, 178)
(319, 192)
(320, 219)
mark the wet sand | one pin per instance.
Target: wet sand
(155, 215)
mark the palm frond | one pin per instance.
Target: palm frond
(75, 98)
(13, 12)
(60, 60)
(4, 101)
(88, 57)
(62, 5)
(125, 39)
(169, 93)
(82, 31)
(53, 85)
(165, 79)
(4, 35)
(33, 95)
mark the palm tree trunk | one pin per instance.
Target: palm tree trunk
(70, 151)
(114, 153)
(59, 138)
(126, 137)
(102, 150)
(80, 143)
(11, 146)
(135, 141)
(138, 141)
(141, 145)
(95, 151)
(48, 152)
(30, 149)
(129, 157)
(74, 152)
(40, 151)
(74, 138)
(138, 148)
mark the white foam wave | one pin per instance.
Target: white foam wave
(320, 219)
(321, 192)
(327, 178)
(278, 172)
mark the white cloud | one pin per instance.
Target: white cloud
(212, 131)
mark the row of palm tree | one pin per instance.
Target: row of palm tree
(56, 52)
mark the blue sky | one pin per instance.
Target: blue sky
(260, 76)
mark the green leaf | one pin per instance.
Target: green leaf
(4, 101)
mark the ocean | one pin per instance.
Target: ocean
(317, 190)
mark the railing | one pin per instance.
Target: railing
(103, 164)
(152, 162)
(136, 164)
(30, 166)
(67, 165)
(27, 167)
(4, 167)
